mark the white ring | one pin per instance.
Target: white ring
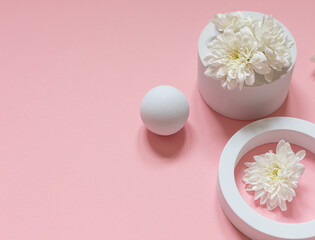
(241, 215)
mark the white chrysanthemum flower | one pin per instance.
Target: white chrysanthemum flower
(274, 43)
(233, 58)
(233, 21)
(269, 39)
(273, 176)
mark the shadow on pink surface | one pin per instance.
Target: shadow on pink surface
(227, 125)
(167, 146)
(158, 150)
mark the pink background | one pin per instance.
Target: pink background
(75, 159)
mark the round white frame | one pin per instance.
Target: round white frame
(240, 214)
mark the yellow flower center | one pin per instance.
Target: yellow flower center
(274, 173)
(235, 55)
(239, 56)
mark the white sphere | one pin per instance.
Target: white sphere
(164, 110)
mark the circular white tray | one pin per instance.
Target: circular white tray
(241, 215)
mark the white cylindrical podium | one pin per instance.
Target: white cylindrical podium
(252, 102)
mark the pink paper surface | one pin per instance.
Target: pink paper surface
(75, 159)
